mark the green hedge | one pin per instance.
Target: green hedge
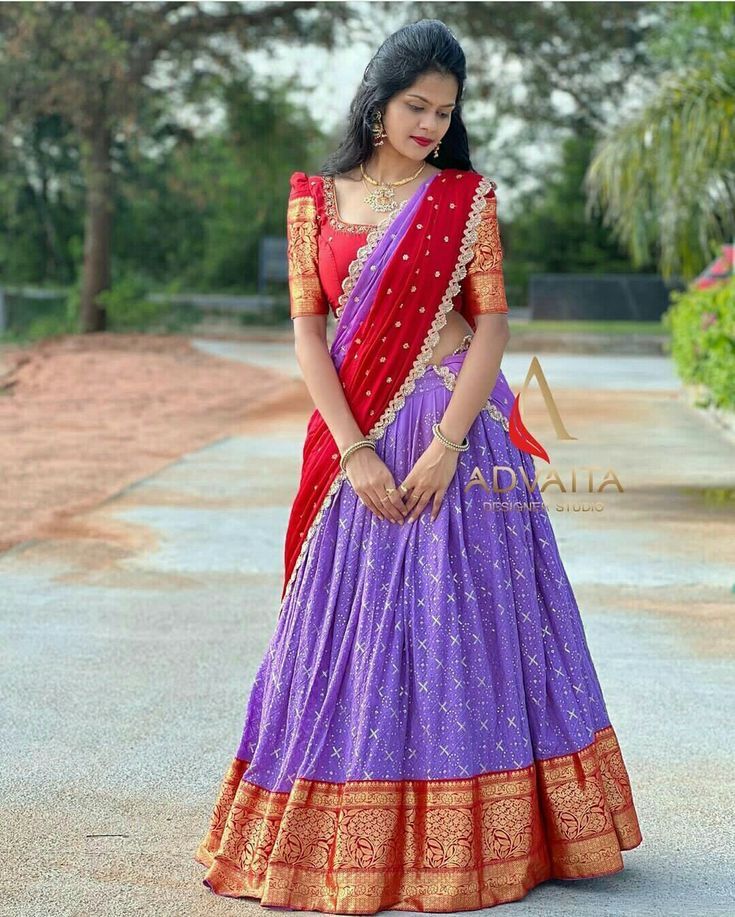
(702, 325)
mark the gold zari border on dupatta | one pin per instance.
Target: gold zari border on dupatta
(469, 238)
(424, 845)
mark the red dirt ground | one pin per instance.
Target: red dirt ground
(82, 417)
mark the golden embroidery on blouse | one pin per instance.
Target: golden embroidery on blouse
(484, 289)
(307, 295)
(330, 208)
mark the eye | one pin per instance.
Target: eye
(417, 108)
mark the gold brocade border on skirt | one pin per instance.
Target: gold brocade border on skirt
(424, 845)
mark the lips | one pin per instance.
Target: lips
(421, 141)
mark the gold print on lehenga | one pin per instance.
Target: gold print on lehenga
(249, 839)
(615, 779)
(306, 838)
(366, 839)
(507, 829)
(449, 836)
(580, 809)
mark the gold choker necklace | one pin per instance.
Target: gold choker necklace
(382, 199)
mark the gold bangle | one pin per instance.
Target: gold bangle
(360, 444)
(458, 447)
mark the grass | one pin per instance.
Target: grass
(592, 327)
(38, 321)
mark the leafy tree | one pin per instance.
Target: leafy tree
(551, 230)
(542, 70)
(664, 176)
(194, 208)
(95, 65)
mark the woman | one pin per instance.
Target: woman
(426, 730)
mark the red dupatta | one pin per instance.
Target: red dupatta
(395, 340)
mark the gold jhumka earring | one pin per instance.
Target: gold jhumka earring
(378, 130)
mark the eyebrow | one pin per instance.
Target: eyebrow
(416, 96)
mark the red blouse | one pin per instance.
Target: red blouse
(321, 247)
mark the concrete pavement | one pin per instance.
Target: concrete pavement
(130, 645)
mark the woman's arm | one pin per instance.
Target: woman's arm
(484, 299)
(366, 471)
(322, 381)
(478, 375)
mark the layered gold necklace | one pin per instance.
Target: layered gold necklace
(383, 198)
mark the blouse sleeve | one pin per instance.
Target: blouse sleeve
(483, 288)
(305, 289)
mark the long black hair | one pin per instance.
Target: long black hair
(426, 46)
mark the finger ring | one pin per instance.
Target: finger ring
(390, 490)
(403, 488)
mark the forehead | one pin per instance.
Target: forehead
(423, 98)
(434, 89)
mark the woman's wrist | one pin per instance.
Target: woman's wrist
(347, 439)
(442, 450)
(451, 434)
(455, 435)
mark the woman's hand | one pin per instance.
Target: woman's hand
(430, 477)
(370, 476)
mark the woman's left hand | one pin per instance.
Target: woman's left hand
(430, 477)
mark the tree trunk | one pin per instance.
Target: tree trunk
(97, 227)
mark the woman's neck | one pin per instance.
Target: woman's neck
(389, 166)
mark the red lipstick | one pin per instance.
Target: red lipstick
(423, 141)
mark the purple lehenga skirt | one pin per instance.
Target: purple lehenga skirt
(426, 730)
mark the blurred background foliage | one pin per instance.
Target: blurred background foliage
(608, 124)
(702, 325)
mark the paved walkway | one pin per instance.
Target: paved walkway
(130, 646)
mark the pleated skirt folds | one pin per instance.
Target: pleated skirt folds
(426, 730)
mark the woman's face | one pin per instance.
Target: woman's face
(424, 110)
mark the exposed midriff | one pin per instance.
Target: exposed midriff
(450, 337)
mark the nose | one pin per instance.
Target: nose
(428, 124)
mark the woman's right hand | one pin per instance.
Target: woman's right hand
(369, 476)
